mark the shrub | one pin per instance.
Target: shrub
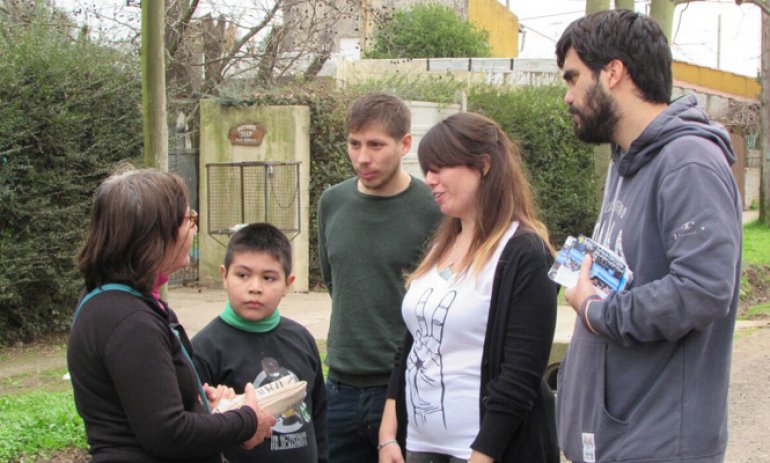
(68, 111)
(428, 31)
(560, 167)
(434, 87)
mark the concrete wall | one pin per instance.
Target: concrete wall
(499, 71)
(286, 138)
(424, 116)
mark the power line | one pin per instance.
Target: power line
(553, 15)
(526, 28)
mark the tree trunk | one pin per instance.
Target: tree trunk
(624, 5)
(154, 85)
(662, 12)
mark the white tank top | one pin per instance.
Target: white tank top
(447, 316)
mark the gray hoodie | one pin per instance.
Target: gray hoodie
(652, 384)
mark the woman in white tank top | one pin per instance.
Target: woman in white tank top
(480, 312)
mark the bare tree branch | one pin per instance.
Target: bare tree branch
(179, 20)
(254, 30)
(764, 5)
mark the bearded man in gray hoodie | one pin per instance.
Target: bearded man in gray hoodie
(646, 374)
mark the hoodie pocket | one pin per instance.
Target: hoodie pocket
(587, 431)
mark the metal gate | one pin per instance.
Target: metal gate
(183, 161)
(240, 193)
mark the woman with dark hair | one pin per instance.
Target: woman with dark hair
(480, 312)
(134, 383)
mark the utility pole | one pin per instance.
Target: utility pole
(593, 6)
(602, 153)
(154, 90)
(719, 41)
(154, 84)
(764, 164)
(662, 12)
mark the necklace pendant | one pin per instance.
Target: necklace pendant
(446, 273)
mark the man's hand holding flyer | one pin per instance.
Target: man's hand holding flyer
(609, 271)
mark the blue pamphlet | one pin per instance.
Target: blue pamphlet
(609, 271)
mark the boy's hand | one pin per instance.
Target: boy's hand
(265, 421)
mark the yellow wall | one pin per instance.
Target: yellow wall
(714, 79)
(502, 25)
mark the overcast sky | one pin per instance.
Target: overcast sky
(695, 27)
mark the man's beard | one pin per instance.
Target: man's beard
(597, 121)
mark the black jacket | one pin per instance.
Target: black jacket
(138, 392)
(517, 407)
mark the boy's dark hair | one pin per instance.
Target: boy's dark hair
(633, 38)
(379, 108)
(260, 237)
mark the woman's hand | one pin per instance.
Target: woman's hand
(215, 394)
(390, 452)
(478, 457)
(265, 421)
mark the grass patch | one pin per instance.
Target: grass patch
(38, 423)
(45, 380)
(558, 350)
(758, 311)
(321, 343)
(756, 244)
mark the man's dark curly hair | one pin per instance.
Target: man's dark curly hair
(634, 39)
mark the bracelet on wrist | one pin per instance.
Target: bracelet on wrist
(386, 443)
(584, 311)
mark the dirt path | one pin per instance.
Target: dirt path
(749, 402)
(40, 366)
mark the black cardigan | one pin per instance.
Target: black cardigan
(516, 406)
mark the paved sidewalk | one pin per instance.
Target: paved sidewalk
(196, 306)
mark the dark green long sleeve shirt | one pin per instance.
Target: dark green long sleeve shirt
(366, 245)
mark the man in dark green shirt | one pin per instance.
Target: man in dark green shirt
(372, 230)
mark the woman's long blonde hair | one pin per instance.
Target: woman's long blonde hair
(504, 194)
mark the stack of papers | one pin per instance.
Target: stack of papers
(276, 397)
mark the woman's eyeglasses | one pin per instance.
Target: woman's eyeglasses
(192, 216)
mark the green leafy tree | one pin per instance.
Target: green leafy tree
(69, 110)
(428, 31)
